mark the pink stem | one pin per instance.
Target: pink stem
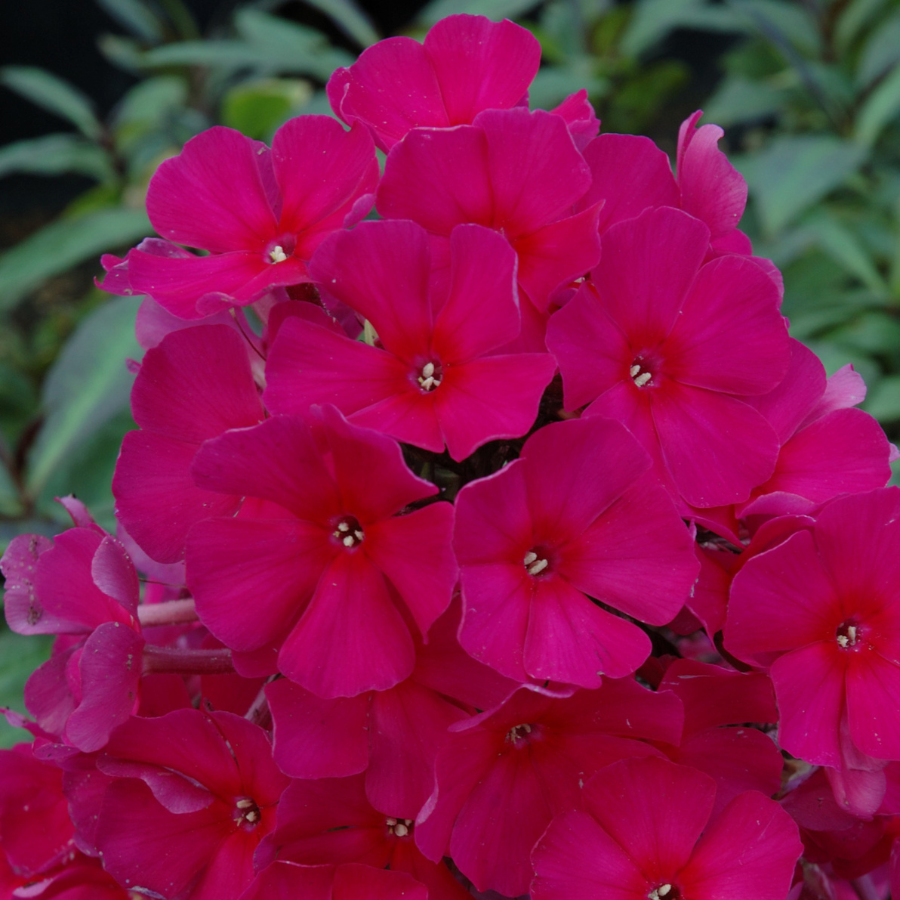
(187, 662)
(172, 612)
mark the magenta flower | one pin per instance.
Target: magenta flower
(193, 796)
(330, 820)
(195, 385)
(503, 775)
(332, 568)
(556, 525)
(645, 831)
(465, 65)
(284, 880)
(436, 381)
(260, 213)
(514, 171)
(822, 611)
(674, 349)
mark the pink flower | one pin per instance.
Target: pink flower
(195, 385)
(514, 171)
(209, 778)
(436, 380)
(284, 880)
(503, 775)
(556, 525)
(331, 566)
(465, 65)
(674, 349)
(645, 831)
(260, 213)
(821, 611)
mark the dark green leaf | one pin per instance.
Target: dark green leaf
(880, 108)
(86, 387)
(881, 52)
(853, 20)
(19, 657)
(883, 401)
(780, 21)
(653, 20)
(793, 172)
(493, 9)
(136, 17)
(55, 154)
(53, 94)
(740, 100)
(844, 248)
(349, 18)
(63, 244)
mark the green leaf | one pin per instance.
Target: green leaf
(881, 106)
(136, 17)
(875, 333)
(55, 154)
(853, 20)
(19, 657)
(256, 108)
(883, 401)
(63, 244)
(844, 248)
(493, 9)
(881, 52)
(653, 20)
(349, 18)
(779, 21)
(53, 94)
(793, 172)
(553, 84)
(739, 99)
(86, 386)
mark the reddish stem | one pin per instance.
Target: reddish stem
(187, 662)
(172, 612)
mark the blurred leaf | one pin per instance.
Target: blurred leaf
(349, 18)
(881, 52)
(55, 154)
(136, 17)
(493, 9)
(53, 94)
(87, 385)
(881, 106)
(255, 108)
(853, 20)
(636, 103)
(19, 657)
(654, 19)
(553, 84)
(123, 52)
(793, 172)
(780, 21)
(739, 100)
(846, 250)
(148, 102)
(63, 244)
(874, 333)
(883, 400)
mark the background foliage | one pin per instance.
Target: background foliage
(807, 90)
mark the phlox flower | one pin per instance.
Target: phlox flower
(821, 611)
(502, 775)
(436, 379)
(673, 349)
(320, 564)
(646, 830)
(573, 518)
(284, 880)
(261, 213)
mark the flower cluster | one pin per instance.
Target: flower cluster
(499, 541)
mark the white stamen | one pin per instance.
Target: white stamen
(516, 732)
(665, 890)
(426, 383)
(641, 380)
(244, 804)
(843, 640)
(343, 527)
(634, 370)
(530, 557)
(537, 567)
(349, 541)
(851, 633)
(277, 254)
(428, 370)
(358, 535)
(390, 822)
(401, 830)
(252, 816)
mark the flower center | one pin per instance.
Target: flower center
(399, 827)
(517, 733)
(277, 254)
(246, 811)
(430, 377)
(847, 634)
(535, 564)
(349, 532)
(640, 374)
(664, 892)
